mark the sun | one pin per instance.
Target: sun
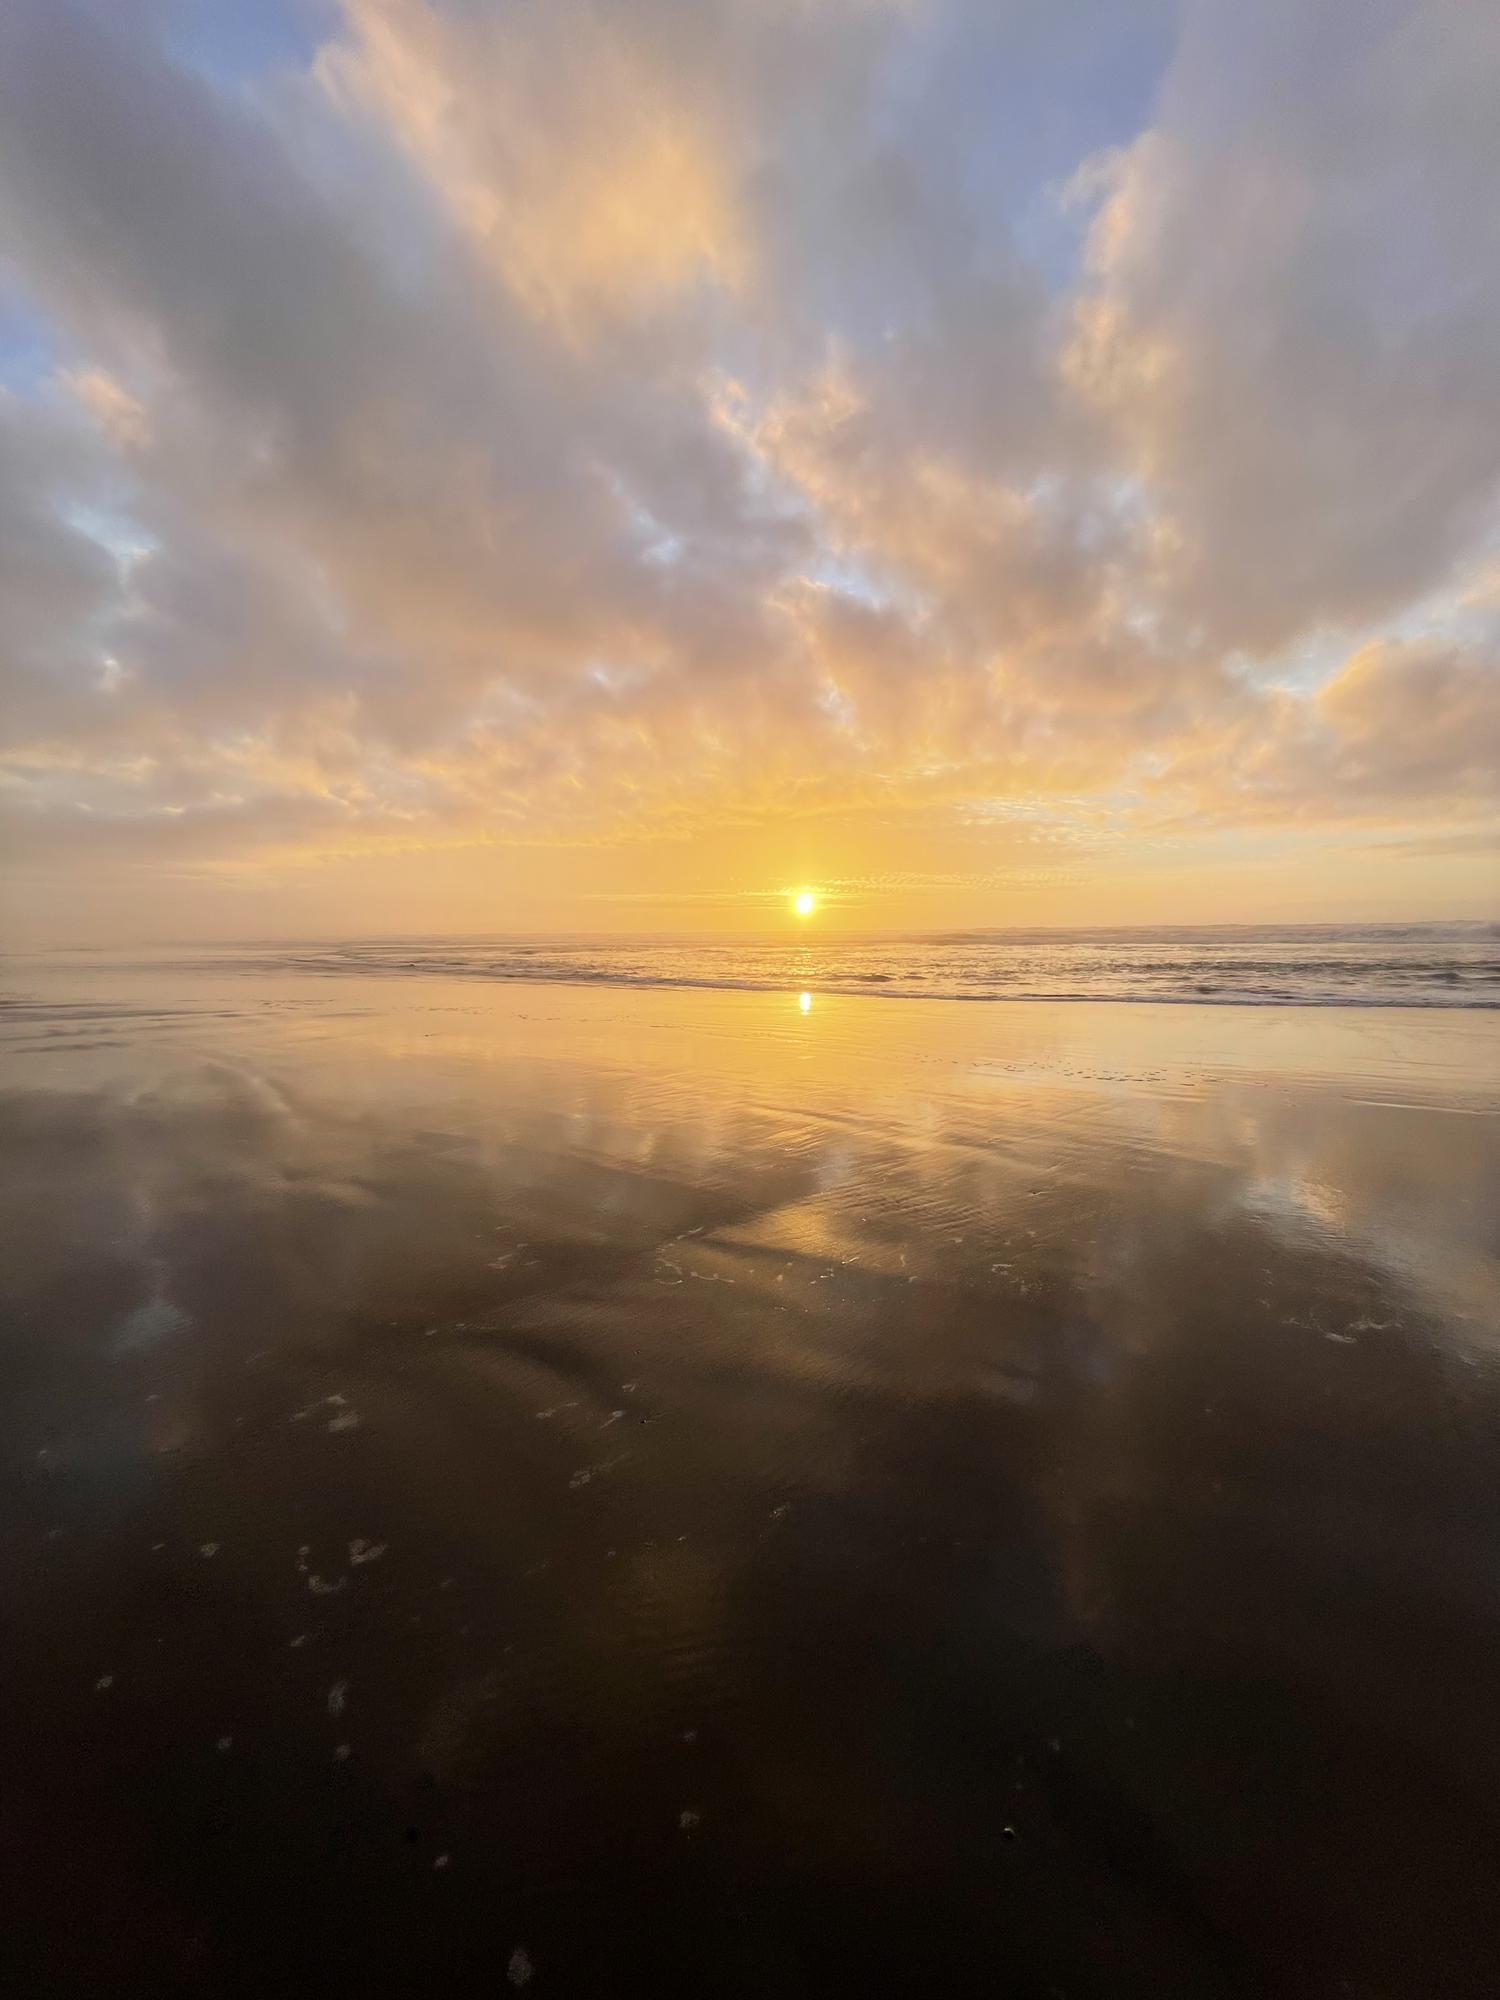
(804, 902)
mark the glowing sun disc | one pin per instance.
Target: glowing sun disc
(804, 902)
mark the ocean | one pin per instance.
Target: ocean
(1323, 965)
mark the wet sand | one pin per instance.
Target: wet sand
(654, 1492)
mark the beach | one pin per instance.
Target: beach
(611, 1490)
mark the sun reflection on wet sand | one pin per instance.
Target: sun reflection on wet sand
(727, 1402)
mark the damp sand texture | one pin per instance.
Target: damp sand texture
(615, 1491)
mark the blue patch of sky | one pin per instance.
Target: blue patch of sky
(655, 542)
(30, 348)
(665, 550)
(982, 114)
(1450, 616)
(114, 529)
(1019, 97)
(850, 579)
(240, 42)
(1308, 663)
(1459, 614)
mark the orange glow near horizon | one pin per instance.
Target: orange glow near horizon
(690, 531)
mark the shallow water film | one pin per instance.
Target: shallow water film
(744, 1492)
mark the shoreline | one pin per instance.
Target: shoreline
(1428, 968)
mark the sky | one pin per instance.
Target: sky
(523, 465)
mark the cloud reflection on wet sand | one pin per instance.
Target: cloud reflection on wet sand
(830, 1499)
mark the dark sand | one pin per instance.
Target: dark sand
(664, 1493)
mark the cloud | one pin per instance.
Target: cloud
(1480, 842)
(570, 424)
(120, 416)
(1294, 298)
(1399, 725)
(569, 154)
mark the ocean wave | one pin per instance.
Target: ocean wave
(1301, 991)
(1439, 966)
